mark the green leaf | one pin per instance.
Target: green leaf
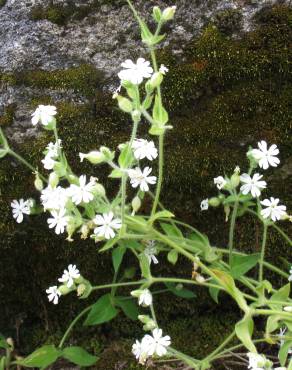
(147, 102)
(79, 356)
(214, 293)
(42, 357)
(172, 256)
(202, 244)
(2, 363)
(3, 343)
(102, 311)
(244, 330)
(280, 295)
(284, 351)
(242, 264)
(129, 307)
(116, 174)
(290, 365)
(108, 245)
(146, 34)
(162, 214)
(3, 152)
(160, 115)
(126, 157)
(157, 39)
(117, 256)
(272, 323)
(156, 130)
(144, 266)
(180, 292)
(171, 230)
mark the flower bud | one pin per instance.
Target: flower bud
(64, 290)
(10, 342)
(125, 104)
(168, 13)
(38, 183)
(51, 125)
(200, 279)
(84, 231)
(136, 204)
(53, 179)
(136, 293)
(156, 79)
(214, 202)
(235, 180)
(99, 190)
(136, 115)
(81, 289)
(157, 14)
(288, 308)
(93, 157)
(150, 325)
(148, 87)
(108, 154)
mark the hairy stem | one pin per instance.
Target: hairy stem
(261, 263)
(231, 230)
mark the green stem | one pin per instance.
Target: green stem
(273, 312)
(231, 230)
(186, 359)
(107, 286)
(261, 263)
(280, 231)
(233, 348)
(77, 318)
(160, 175)
(28, 165)
(221, 346)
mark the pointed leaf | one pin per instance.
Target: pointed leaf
(180, 292)
(42, 357)
(79, 356)
(102, 311)
(242, 264)
(244, 330)
(129, 307)
(172, 256)
(117, 256)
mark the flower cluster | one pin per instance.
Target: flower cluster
(252, 185)
(151, 345)
(69, 278)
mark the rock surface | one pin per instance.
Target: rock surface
(104, 38)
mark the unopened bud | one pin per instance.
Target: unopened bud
(10, 342)
(288, 308)
(156, 79)
(136, 115)
(168, 13)
(84, 231)
(38, 183)
(81, 289)
(157, 14)
(150, 325)
(200, 279)
(64, 290)
(214, 202)
(136, 204)
(235, 180)
(125, 104)
(108, 154)
(94, 157)
(99, 190)
(195, 266)
(53, 179)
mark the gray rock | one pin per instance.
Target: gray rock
(105, 38)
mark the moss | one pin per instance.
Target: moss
(229, 21)
(61, 14)
(2, 3)
(226, 95)
(84, 79)
(7, 118)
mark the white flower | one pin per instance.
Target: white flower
(135, 73)
(82, 192)
(54, 198)
(205, 204)
(139, 351)
(156, 344)
(256, 361)
(53, 148)
(53, 294)
(220, 182)
(145, 298)
(252, 185)
(59, 221)
(106, 225)
(266, 157)
(287, 308)
(43, 114)
(273, 211)
(150, 252)
(290, 277)
(20, 208)
(144, 149)
(69, 275)
(163, 69)
(142, 179)
(48, 162)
